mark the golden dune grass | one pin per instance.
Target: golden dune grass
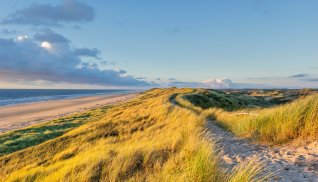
(273, 125)
(146, 139)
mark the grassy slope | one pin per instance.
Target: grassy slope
(146, 139)
(273, 125)
(30, 136)
(151, 138)
(131, 143)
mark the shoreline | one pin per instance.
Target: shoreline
(18, 116)
(68, 98)
(37, 99)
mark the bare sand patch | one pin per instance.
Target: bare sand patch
(287, 163)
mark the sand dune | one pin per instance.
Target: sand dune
(22, 115)
(285, 163)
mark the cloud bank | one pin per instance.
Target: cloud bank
(48, 56)
(70, 11)
(214, 83)
(218, 83)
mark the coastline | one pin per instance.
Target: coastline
(39, 95)
(18, 116)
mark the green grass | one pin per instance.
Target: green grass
(30, 136)
(228, 101)
(295, 120)
(146, 139)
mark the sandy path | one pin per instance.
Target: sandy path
(22, 115)
(290, 164)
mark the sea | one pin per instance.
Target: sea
(19, 96)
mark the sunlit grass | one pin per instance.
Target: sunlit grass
(33, 135)
(250, 170)
(146, 139)
(272, 125)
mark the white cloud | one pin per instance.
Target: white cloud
(22, 38)
(46, 45)
(214, 83)
(218, 83)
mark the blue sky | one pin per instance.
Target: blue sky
(219, 44)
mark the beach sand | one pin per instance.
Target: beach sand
(22, 115)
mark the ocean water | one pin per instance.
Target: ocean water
(19, 96)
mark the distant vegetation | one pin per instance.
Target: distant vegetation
(250, 115)
(227, 101)
(149, 138)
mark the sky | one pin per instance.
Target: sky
(158, 43)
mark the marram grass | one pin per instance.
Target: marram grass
(148, 138)
(297, 120)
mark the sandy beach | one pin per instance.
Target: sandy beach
(22, 115)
